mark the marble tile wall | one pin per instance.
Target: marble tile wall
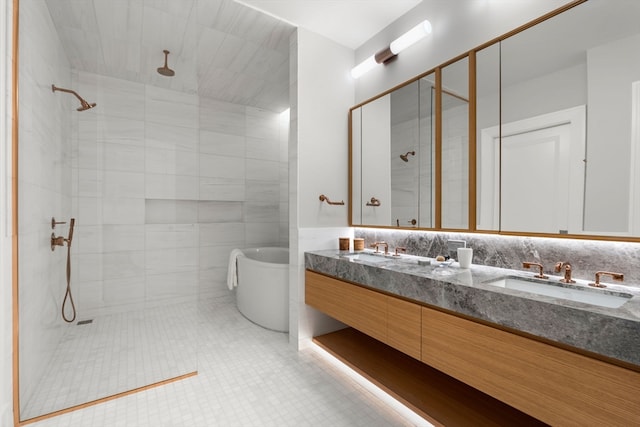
(166, 184)
(45, 191)
(585, 256)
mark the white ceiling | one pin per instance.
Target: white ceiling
(348, 22)
(220, 49)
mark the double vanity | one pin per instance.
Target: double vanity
(562, 353)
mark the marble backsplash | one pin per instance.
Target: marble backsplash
(585, 256)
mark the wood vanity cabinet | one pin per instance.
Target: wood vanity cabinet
(552, 384)
(388, 319)
(557, 386)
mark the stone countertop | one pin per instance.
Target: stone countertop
(611, 332)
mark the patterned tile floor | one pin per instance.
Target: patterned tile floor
(248, 376)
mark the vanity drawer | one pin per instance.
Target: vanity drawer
(356, 306)
(554, 385)
(404, 321)
(388, 319)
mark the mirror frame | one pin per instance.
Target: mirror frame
(471, 56)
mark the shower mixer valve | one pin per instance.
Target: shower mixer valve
(60, 240)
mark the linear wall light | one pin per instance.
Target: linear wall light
(415, 34)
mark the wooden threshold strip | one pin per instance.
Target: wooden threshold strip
(437, 397)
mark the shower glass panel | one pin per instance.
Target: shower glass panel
(126, 171)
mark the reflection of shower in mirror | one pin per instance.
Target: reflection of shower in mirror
(405, 157)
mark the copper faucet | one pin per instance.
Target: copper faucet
(540, 274)
(567, 271)
(385, 244)
(615, 276)
(400, 248)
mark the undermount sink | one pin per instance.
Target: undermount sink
(585, 295)
(366, 257)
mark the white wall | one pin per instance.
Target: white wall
(321, 93)
(166, 184)
(455, 31)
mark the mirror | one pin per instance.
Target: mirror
(557, 168)
(426, 181)
(488, 151)
(406, 155)
(392, 157)
(455, 145)
(557, 128)
(374, 204)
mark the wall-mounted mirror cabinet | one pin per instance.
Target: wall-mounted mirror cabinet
(555, 118)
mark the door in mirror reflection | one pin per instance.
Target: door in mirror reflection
(543, 167)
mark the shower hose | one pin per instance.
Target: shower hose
(68, 296)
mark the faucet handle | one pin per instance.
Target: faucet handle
(400, 248)
(376, 244)
(615, 276)
(540, 274)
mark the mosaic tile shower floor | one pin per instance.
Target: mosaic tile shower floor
(247, 376)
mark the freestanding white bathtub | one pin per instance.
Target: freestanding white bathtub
(263, 287)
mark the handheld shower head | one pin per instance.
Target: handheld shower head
(84, 105)
(405, 157)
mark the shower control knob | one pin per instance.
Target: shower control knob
(56, 241)
(54, 223)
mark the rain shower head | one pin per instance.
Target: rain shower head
(165, 70)
(84, 105)
(405, 157)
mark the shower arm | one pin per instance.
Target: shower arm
(85, 104)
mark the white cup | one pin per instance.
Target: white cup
(465, 255)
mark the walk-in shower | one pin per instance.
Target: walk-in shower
(84, 105)
(163, 179)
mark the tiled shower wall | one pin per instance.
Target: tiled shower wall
(167, 183)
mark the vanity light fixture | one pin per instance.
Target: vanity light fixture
(415, 34)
